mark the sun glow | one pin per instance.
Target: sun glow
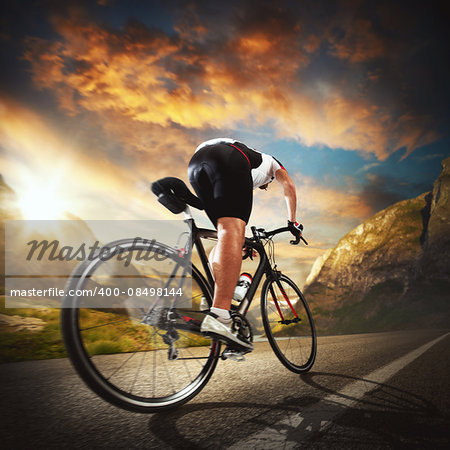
(41, 204)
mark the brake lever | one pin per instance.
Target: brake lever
(297, 240)
(248, 253)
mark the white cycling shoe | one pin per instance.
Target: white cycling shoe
(223, 330)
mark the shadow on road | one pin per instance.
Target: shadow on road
(248, 416)
(388, 417)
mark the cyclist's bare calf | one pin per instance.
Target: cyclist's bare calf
(227, 259)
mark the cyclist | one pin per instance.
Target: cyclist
(223, 173)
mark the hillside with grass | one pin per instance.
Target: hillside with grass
(390, 272)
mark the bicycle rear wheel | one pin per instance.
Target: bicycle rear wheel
(135, 360)
(288, 324)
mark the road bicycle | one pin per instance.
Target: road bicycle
(144, 352)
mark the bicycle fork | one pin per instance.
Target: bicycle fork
(283, 321)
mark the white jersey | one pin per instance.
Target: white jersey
(262, 172)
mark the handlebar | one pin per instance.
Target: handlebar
(259, 233)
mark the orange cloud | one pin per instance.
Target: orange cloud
(331, 212)
(332, 204)
(359, 43)
(196, 81)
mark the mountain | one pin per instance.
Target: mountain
(8, 211)
(390, 272)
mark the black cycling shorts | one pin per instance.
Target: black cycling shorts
(221, 176)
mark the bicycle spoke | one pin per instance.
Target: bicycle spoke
(126, 361)
(137, 372)
(154, 369)
(118, 338)
(168, 376)
(105, 324)
(186, 367)
(194, 358)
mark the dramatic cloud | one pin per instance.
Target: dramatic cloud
(326, 213)
(359, 43)
(333, 204)
(248, 68)
(381, 192)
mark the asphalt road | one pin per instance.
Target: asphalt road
(363, 392)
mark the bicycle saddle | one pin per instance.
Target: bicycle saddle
(174, 194)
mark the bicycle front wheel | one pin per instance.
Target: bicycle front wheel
(143, 351)
(288, 324)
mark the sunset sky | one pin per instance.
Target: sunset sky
(98, 99)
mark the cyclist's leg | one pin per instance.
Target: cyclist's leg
(221, 177)
(227, 259)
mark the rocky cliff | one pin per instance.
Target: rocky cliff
(435, 261)
(392, 271)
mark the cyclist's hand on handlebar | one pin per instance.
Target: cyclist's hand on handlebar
(248, 252)
(296, 229)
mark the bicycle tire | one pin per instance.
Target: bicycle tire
(292, 336)
(93, 366)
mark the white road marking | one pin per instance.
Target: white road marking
(288, 432)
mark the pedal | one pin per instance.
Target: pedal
(234, 355)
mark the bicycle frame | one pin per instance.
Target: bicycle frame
(264, 267)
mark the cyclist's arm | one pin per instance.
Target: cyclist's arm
(290, 194)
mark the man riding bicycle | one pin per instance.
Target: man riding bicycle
(223, 173)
